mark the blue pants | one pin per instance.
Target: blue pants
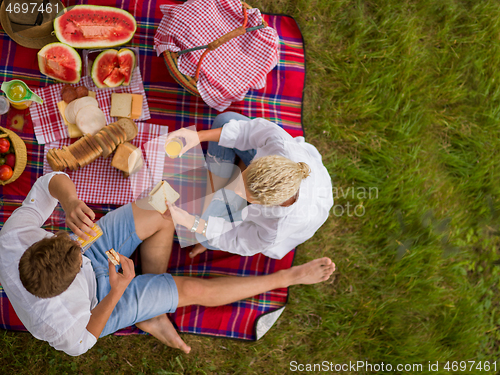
(219, 157)
(220, 161)
(147, 295)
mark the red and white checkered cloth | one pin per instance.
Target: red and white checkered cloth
(235, 67)
(48, 122)
(101, 183)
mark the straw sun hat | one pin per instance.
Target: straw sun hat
(26, 23)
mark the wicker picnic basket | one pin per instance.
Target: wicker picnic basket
(190, 83)
(19, 151)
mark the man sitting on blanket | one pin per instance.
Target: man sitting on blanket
(70, 300)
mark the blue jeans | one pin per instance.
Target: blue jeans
(220, 161)
(218, 157)
(147, 295)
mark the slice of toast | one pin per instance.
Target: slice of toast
(129, 126)
(60, 155)
(161, 193)
(70, 159)
(112, 135)
(54, 162)
(121, 105)
(119, 134)
(106, 143)
(119, 130)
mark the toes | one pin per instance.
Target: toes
(178, 343)
(326, 261)
(329, 269)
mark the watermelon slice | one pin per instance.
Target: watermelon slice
(61, 62)
(126, 60)
(103, 66)
(113, 68)
(115, 79)
(94, 26)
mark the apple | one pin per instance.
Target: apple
(5, 172)
(4, 145)
(10, 160)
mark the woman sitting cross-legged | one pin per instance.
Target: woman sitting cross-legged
(283, 178)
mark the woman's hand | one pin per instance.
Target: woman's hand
(191, 139)
(79, 218)
(180, 216)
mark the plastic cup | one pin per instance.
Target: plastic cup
(4, 105)
(173, 147)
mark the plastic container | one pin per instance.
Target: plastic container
(90, 55)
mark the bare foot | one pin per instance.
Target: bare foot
(313, 272)
(198, 249)
(161, 328)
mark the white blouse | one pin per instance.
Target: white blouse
(60, 320)
(274, 230)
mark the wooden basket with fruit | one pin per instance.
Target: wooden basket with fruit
(13, 156)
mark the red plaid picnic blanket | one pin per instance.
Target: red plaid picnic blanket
(100, 183)
(235, 67)
(48, 122)
(169, 104)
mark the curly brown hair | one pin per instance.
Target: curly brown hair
(49, 266)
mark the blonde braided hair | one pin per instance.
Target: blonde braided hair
(272, 180)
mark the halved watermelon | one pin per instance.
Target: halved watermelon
(94, 26)
(61, 62)
(126, 60)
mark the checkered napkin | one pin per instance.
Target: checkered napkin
(101, 183)
(235, 67)
(47, 121)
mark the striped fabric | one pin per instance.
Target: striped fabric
(280, 101)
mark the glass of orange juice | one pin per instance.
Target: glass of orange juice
(173, 147)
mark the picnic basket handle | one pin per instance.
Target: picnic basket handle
(225, 38)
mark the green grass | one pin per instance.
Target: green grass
(402, 96)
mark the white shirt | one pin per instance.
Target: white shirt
(60, 320)
(274, 230)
